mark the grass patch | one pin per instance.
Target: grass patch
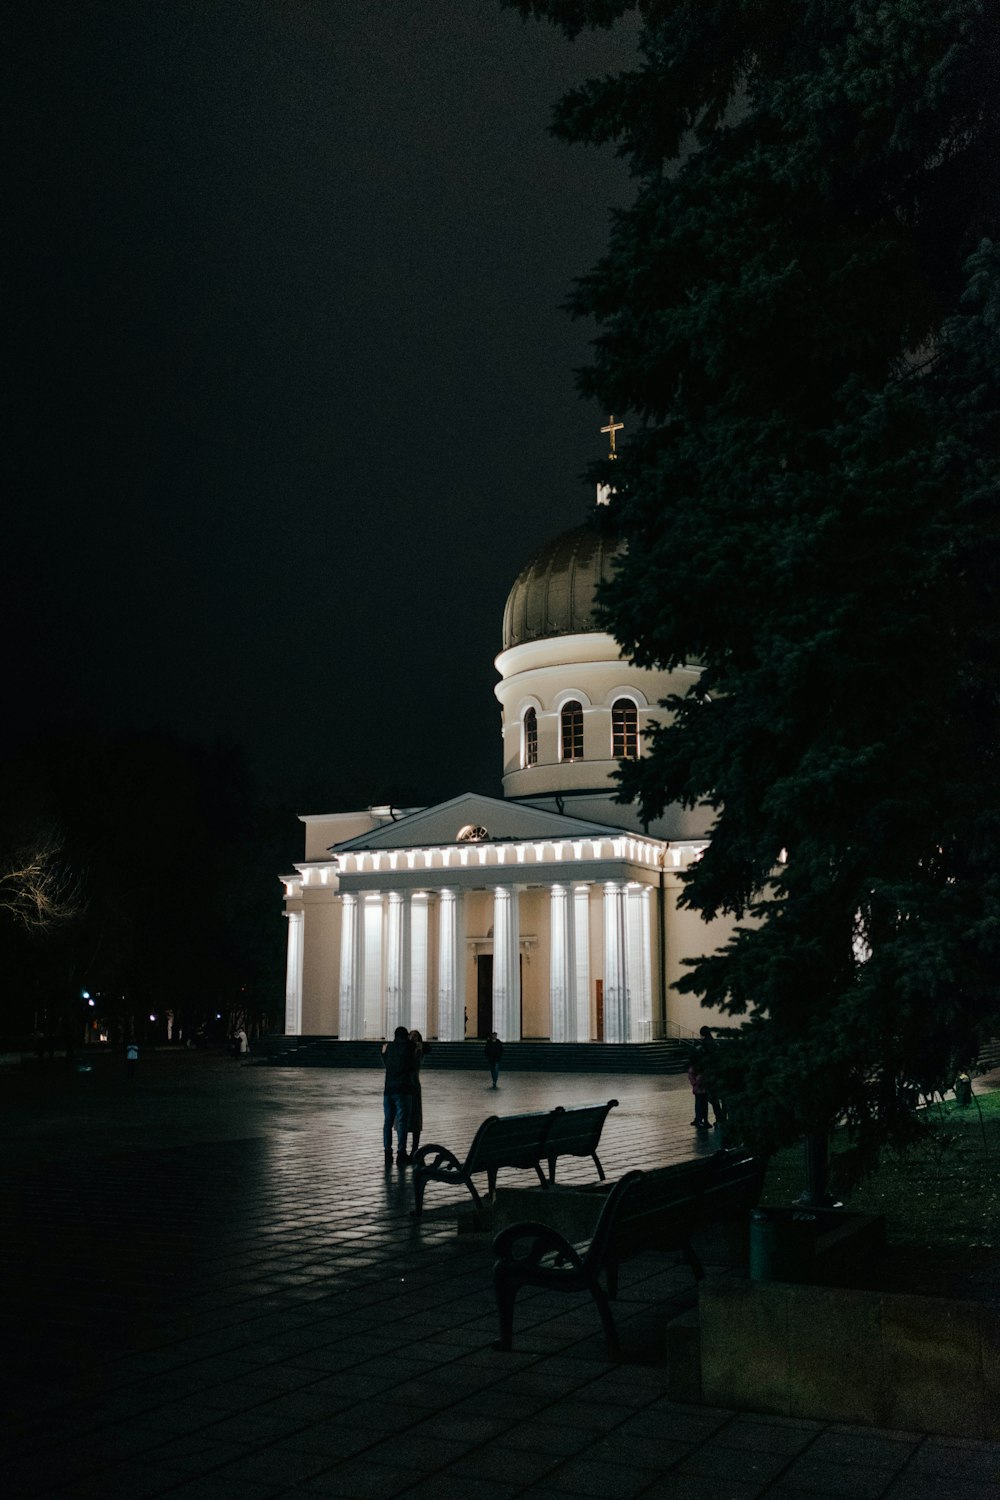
(942, 1194)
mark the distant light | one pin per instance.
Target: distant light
(91, 1002)
(152, 1018)
(85, 995)
(218, 1015)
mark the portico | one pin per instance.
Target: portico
(558, 914)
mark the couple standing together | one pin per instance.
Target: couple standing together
(401, 1099)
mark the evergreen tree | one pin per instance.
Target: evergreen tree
(801, 314)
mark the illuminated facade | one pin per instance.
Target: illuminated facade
(547, 913)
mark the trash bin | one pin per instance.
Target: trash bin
(782, 1243)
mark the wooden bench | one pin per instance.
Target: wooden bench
(658, 1210)
(519, 1141)
(576, 1132)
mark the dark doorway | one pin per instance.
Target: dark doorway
(484, 994)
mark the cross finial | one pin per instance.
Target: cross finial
(611, 429)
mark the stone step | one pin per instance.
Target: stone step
(667, 1056)
(989, 1055)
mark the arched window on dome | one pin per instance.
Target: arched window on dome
(571, 724)
(529, 738)
(624, 730)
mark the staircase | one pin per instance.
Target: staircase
(518, 1057)
(989, 1055)
(669, 1056)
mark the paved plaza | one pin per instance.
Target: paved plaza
(212, 1288)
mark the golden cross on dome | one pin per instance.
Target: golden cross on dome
(611, 429)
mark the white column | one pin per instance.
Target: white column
(373, 987)
(647, 960)
(616, 998)
(350, 1017)
(506, 963)
(581, 961)
(451, 966)
(396, 1008)
(293, 974)
(562, 1018)
(417, 906)
(640, 985)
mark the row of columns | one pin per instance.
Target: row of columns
(385, 964)
(385, 971)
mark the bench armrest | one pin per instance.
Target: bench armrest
(432, 1158)
(543, 1240)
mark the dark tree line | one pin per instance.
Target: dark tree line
(166, 858)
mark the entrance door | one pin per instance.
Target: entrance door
(484, 994)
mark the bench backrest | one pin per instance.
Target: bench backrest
(658, 1206)
(662, 1208)
(509, 1141)
(734, 1189)
(576, 1132)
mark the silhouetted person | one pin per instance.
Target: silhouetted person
(420, 1051)
(397, 1094)
(709, 1047)
(700, 1093)
(494, 1052)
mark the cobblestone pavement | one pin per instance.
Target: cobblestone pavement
(212, 1288)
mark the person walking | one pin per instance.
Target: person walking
(420, 1051)
(397, 1094)
(494, 1052)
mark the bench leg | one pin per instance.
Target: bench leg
(541, 1174)
(506, 1291)
(611, 1276)
(607, 1322)
(597, 1164)
(691, 1256)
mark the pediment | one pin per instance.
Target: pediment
(445, 821)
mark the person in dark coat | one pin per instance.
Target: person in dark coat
(494, 1052)
(709, 1047)
(397, 1094)
(420, 1051)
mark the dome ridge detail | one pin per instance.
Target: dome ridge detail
(556, 592)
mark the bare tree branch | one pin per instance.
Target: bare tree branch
(38, 889)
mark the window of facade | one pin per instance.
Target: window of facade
(572, 731)
(530, 753)
(624, 730)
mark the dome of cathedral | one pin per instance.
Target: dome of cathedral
(556, 592)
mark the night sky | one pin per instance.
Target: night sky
(292, 387)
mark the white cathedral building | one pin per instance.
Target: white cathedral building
(549, 913)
